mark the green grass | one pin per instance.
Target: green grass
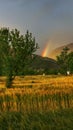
(52, 120)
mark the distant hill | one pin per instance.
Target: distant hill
(58, 50)
(42, 63)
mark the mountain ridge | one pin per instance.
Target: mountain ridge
(41, 64)
(58, 50)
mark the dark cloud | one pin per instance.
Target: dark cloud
(50, 5)
(57, 10)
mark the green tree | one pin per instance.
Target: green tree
(4, 47)
(16, 51)
(62, 60)
(70, 62)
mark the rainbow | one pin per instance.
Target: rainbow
(45, 51)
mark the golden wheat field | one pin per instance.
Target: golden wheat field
(37, 93)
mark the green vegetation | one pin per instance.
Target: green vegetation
(56, 120)
(65, 61)
(15, 53)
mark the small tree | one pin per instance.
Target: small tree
(62, 60)
(70, 62)
(16, 50)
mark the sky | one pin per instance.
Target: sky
(50, 21)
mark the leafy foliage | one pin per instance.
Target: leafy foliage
(70, 62)
(65, 61)
(16, 51)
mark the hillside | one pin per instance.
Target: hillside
(58, 50)
(41, 63)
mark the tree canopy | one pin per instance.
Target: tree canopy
(65, 61)
(15, 52)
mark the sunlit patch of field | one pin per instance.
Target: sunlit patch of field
(38, 81)
(37, 93)
(55, 81)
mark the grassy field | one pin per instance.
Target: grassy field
(57, 120)
(43, 101)
(37, 93)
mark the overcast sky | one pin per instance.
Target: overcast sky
(50, 21)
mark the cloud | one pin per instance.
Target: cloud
(48, 6)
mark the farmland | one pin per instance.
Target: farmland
(37, 93)
(38, 96)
